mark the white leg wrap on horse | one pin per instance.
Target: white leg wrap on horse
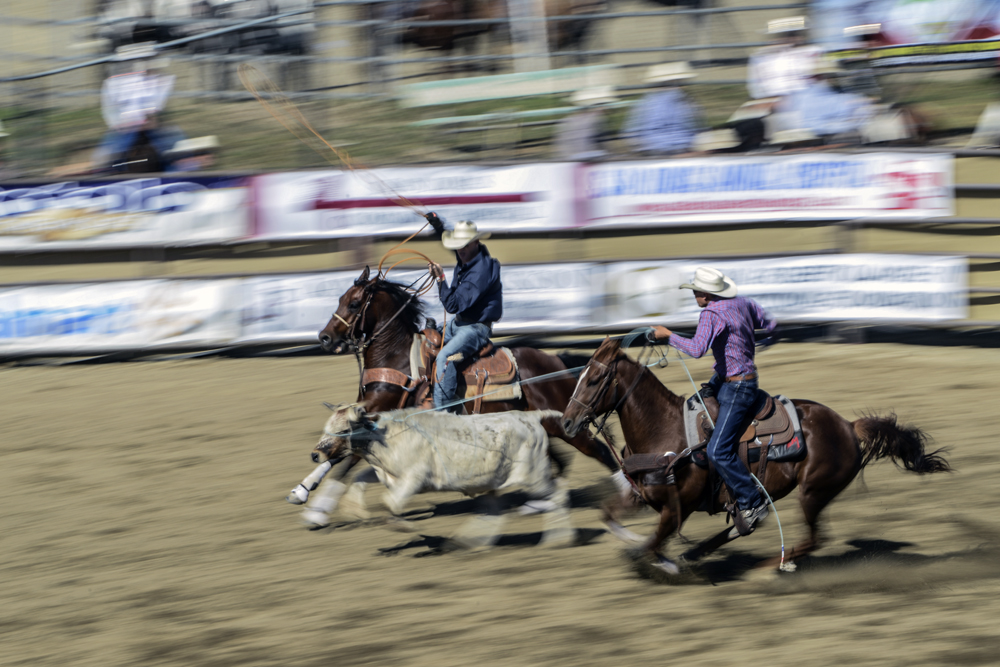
(300, 493)
(317, 513)
(623, 485)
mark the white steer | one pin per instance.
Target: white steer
(414, 451)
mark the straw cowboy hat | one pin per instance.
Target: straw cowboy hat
(669, 72)
(464, 234)
(787, 24)
(712, 281)
(716, 140)
(592, 97)
(195, 146)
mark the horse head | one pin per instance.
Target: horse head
(370, 308)
(347, 322)
(595, 390)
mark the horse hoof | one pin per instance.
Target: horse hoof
(298, 496)
(536, 507)
(666, 565)
(314, 520)
(623, 533)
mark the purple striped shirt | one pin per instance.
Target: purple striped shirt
(727, 327)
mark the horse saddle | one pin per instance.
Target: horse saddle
(773, 431)
(491, 374)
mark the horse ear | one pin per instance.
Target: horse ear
(331, 408)
(363, 278)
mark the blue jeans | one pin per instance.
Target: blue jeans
(466, 339)
(736, 400)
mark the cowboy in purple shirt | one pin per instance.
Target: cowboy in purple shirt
(727, 324)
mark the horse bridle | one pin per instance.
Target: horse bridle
(358, 344)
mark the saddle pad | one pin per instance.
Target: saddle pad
(416, 368)
(505, 387)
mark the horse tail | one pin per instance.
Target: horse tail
(884, 437)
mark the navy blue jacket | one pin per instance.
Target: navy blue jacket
(475, 293)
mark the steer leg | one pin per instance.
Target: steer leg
(354, 500)
(558, 528)
(483, 530)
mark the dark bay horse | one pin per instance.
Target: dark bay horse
(379, 318)
(652, 422)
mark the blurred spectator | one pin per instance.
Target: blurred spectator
(193, 154)
(579, 134)
(131, 104)
(664, 121)
(784, 67)
(827, 112)
(6, 173)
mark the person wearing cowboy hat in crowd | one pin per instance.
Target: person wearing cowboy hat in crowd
(664, 121)
(726, 325)
(132, 103)
(578, 135)
(474, 300)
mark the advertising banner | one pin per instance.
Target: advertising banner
(118, 316)
(563, 298)
(913, 32)
(878, 185)
(536, 298)
(367, 202)
(828, 288)
(128, 213)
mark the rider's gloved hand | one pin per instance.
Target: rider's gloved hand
(657, 333)
(435, 220)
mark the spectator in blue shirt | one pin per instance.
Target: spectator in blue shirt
(475, 301)
(665, 120)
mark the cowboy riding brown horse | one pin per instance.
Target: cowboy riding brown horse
(378, 319)
(671, 478)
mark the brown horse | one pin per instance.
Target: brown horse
(377, 319)
(438, 24)
(652, 422)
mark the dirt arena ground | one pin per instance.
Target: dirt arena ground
(144, 523)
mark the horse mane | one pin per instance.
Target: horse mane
(413, 312)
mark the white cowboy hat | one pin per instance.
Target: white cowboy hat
(592, 97)
(464, 234)
(194, 146)
(787, 24)
(712, 281)
(669, 72)
(716, 140)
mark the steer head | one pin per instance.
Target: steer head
(349, 428)
(596, 390)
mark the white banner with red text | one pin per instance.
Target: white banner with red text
(555, 299)
(377, 202)
(795, 187)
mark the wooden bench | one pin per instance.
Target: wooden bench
(502, 87)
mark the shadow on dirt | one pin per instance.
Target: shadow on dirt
(871, 566)
(433, 545)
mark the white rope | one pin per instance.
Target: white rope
(781, 533)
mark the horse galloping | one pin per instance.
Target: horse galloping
(378, 320)
(652, 422)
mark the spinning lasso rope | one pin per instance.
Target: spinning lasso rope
(287, 113)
